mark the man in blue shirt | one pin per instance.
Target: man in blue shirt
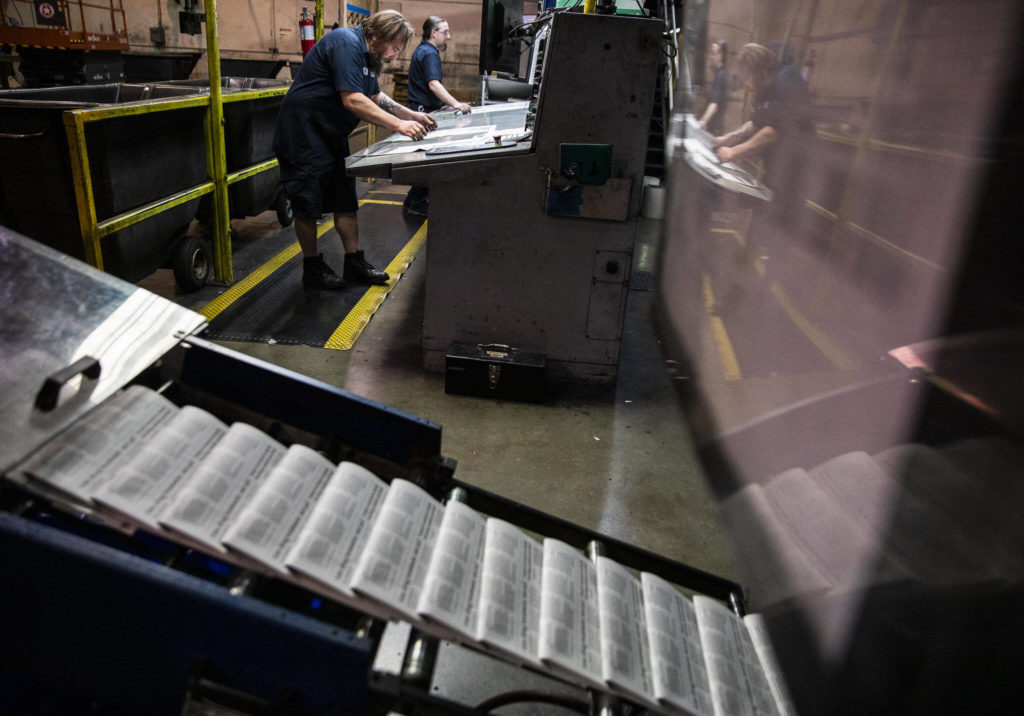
(426, 93)
(778, 133)
(713, 118)
(335, 89)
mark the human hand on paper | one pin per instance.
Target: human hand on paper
(412, 129)
(725, 154)
(426, 120)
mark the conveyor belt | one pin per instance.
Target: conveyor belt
(271, 306)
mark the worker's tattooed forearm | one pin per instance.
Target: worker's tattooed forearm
(386, 103)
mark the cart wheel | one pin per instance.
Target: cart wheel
(191, 263)
(283, 207)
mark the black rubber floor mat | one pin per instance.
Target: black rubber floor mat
(277, 309)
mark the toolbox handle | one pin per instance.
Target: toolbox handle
(46, 400)
(496, 350)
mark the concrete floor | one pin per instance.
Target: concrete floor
(616, 459)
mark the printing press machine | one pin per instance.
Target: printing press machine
(130, 622)
(534, 204)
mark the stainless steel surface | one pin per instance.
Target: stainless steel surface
(55, 311)
(378, 159)
(391, 649)
(469, 678)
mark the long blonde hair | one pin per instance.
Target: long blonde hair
(386, 26)
(759, 62)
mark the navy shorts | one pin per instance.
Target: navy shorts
(312, 196)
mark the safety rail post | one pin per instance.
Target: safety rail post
(318, 20)
(74, 125)
(216, 158)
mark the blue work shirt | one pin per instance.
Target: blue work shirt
(313, 126)
(784, 108)
(424, 67)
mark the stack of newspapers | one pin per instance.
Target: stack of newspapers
(395, 552)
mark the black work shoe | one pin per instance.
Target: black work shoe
(415, 210)
(317, 274)
(359, 270)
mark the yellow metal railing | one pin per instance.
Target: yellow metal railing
(93, 228)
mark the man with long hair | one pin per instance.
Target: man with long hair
(335, 89)
(776, 133)
(427, 93)
(714, 114)
(780, 110)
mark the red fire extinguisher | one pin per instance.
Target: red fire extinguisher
(306, 32)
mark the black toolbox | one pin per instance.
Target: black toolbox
(493, 370)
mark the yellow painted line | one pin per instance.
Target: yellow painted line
(740, 239)
(219, 304)
(830, 350)
(880, 241)
(345, 335)
(326, 225)
(379, 201)
(223, 301)
(730, 366)
(822, 342)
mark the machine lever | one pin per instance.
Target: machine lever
(46, 400)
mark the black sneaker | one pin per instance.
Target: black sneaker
(419, 210)
(317, 274)
(359, 270)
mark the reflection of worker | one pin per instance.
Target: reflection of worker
(426, 93)
(714, 115)
(336, 88)
(776, 133)
(779, 116)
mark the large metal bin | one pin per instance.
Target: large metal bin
(134, 160)
(248, 140)
(159, 66)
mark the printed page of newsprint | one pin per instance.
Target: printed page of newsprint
(624, 652)
(393, 565)
(452, 587)
(144, 487)
(222, 485)
(332, 541)
(677, 657)
(738, 683)
(81, 459)
(509, 616)
(268, 526)
(570, 628)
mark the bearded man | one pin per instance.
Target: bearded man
(335, 89)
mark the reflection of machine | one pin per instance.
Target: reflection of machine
(872, 482)
(531, 245)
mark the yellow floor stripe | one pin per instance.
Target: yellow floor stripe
(219, 304)
(235, 292)
(345, 335)
(730, 366)
(740, 238)
(822, 342)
